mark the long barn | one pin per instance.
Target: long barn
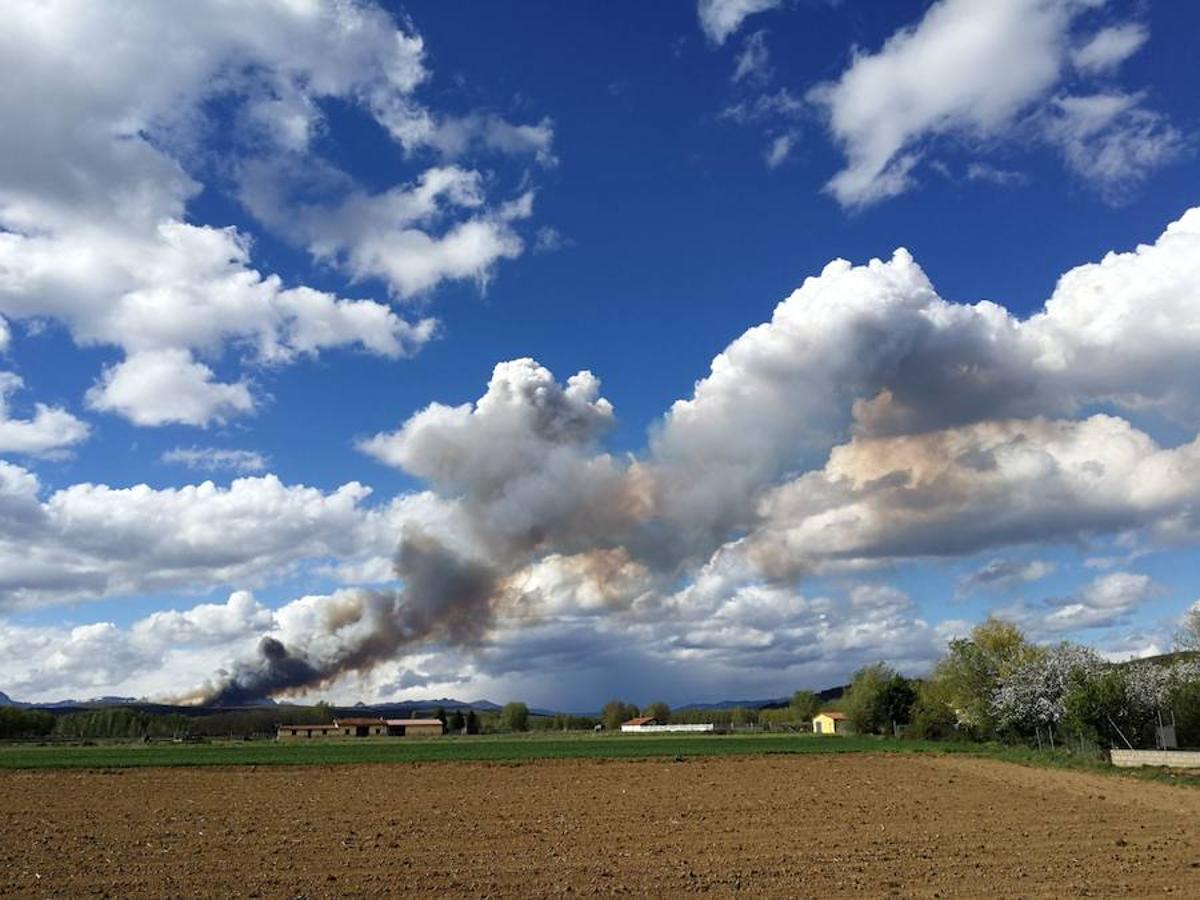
(362, 728)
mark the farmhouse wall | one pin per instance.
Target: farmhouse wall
(655, 729)
(306, 732)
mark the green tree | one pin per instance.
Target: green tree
(971, 672)
(1184, 701)
(172, 725)
(615, 712)
(879, 698)
(109, 722)
(24, 723)
(804, 705)
(472, 723)
(659, 710)
(1116, 704)
(743, 716)
(440, 714)
(456, 723)
(515, 717)
(324, 712)
(933, 714)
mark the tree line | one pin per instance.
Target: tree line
(995, 684)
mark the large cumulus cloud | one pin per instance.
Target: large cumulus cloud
(869, 423)
(100, 165)
(89, 541)
(872, 352)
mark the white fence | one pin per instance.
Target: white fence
(658, 729)
(1176, 759)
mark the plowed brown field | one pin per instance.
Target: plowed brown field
(788, 826)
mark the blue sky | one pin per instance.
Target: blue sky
(261, 266)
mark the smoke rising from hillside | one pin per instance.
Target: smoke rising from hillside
(444, 598)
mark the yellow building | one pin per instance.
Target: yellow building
(830, 723)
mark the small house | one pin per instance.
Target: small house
(830, 723)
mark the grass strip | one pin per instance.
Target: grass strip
(528, 748)
(485, 748)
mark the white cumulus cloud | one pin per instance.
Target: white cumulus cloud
(51, 431)
(1102, 602)
(952, 74)
(91, 540)
(99, 165)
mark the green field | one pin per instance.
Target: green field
(524, 748)
(498, 748)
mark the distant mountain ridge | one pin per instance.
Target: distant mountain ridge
(6, 700)
(833, 693)
(736, 704)
(394, 709)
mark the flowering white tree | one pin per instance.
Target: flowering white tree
(1149, 691)
(1148, 687)
(1035, 694)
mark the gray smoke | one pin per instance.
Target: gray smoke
(445, 598)
(276, 670)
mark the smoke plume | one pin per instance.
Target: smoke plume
(869, 421)
(444, 598)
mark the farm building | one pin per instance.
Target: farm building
(363, 728)
(639, 722)
(306, 732)
(414, 727)
(830, 723)
(651, 725)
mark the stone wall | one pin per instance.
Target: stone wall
(1176, 759)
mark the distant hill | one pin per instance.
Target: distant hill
(1166, 659)
(833, 693)
(398, 709)
(735, 704)
(825, 696)
(6, 700)
(94, 702)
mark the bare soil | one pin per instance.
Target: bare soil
(817, 826)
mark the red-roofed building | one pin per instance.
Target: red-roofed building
(363, 728)
(641, 723)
